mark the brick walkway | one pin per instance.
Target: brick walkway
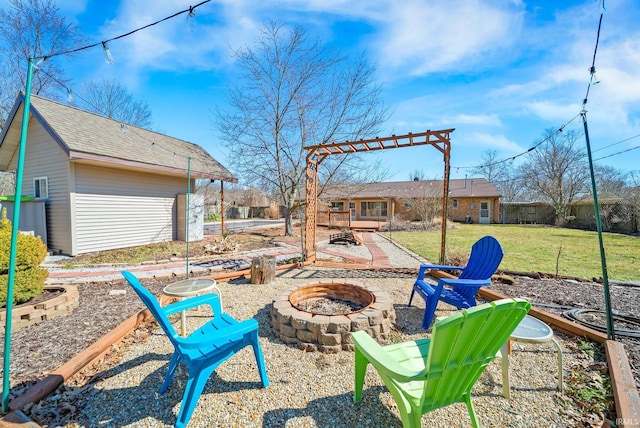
(378, 256)
(291, 250)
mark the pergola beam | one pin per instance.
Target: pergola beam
(316, 154)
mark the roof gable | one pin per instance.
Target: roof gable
(85, 135)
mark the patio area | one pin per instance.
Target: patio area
(312, 389)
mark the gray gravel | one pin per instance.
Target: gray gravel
(310, 389)
(313, 389)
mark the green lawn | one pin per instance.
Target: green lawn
(534, 248)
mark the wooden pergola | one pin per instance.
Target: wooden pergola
(318, 153)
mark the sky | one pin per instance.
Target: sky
(501, 73)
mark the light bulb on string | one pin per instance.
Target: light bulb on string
(69, 96)
(107, 53)
(594, 78)
(191, 17)
(123, 128)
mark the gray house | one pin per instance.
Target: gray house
(105, 184)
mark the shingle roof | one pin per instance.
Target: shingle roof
(85, 135)
(458, 188)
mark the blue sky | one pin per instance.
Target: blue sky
(500, 72)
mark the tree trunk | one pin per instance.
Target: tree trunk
(263, 269)
(288, 222)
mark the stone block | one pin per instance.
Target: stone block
(307, 347)
(339, 324)
(329, 349)
(329, 339)
(306, 335)
(289, 340)
(375, 317)
(300, 321)
(318, 324)
(348, 347)
(287, 330)
(358, 322)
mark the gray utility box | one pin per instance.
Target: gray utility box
(33, 217)
(196, 217)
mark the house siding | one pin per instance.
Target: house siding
(471, 206)
(47, 159)
(119, 208)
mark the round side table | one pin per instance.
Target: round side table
(530, 330)
(189, 288)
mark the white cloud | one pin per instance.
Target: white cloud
(484, 119)
(420, 37)
(481, 140)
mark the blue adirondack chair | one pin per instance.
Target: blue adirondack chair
(486, 255)
(204, 349)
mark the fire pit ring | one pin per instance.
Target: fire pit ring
(313, 331)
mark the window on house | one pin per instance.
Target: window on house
(41, 187)
(454, 203)
(373, 209)
(337, 206)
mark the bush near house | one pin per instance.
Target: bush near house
(30, 253)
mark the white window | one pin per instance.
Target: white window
(373, 209)
(454, 204)
(41, 187)
(337, 206)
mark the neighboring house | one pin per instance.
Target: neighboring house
(106, 185)
(473, 199)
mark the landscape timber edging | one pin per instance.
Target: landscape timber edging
(44, 387)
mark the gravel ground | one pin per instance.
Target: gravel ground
(307, 389)
(312, 389)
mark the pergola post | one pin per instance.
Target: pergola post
(311, 196)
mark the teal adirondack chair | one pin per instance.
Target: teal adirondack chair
(204, 349)
(426, 374)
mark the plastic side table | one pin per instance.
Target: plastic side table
(530, 330)
(189, 288)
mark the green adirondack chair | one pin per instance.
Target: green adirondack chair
(427, 374)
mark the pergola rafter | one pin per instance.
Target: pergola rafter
(316, 154)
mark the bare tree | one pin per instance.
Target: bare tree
(291, 92)
(610, 180)
(501, 173)
(111, 99)
(32, 29)
(631, 195)
(417, 175)
(427, 206)
(557, 172)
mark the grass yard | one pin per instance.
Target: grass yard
(535, 248)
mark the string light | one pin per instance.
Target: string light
(69, 96)
(530, 149)
(190, 10)
(191, 17)
(107, 53)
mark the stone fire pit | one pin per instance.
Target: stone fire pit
(298, 315)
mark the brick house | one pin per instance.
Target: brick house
(471, 199)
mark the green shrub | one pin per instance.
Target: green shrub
(29, 277)
(213, 217)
